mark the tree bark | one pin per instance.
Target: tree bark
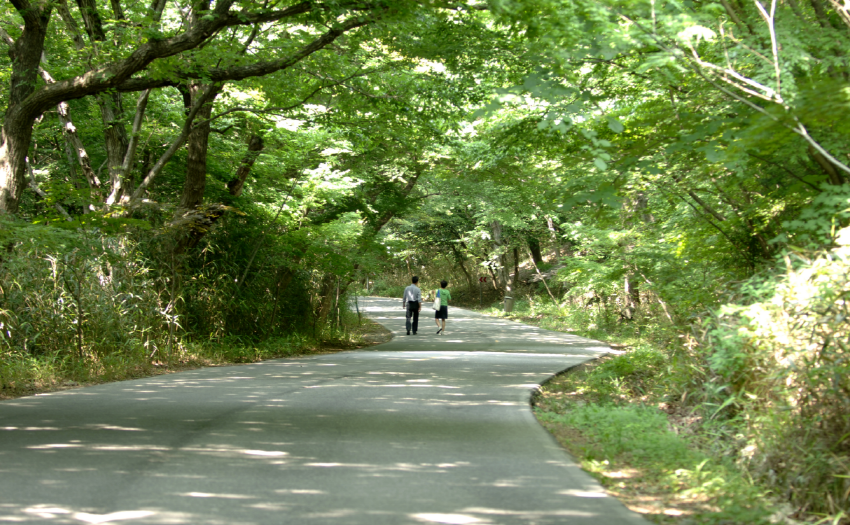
(16, 134)
(498, 244)
(835, 177)
(197, 145)
(176, 144)
(123, 185)
(326, 294)
(77, 148)
(74, 148)
(553, 232)
(255, 146)
(516, 270)
(115, 135)
(534, 248)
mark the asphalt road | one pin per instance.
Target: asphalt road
(424, 429)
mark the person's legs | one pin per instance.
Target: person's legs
(407, 315)
(415, 314)
(440, 317)
(445, 311)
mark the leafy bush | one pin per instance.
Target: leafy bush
(68, 293)
(779, 370)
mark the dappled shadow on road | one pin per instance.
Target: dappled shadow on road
(419, 436)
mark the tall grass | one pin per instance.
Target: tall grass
(84, 306)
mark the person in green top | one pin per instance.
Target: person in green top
(443, 313)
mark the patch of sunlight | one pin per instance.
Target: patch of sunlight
(451, 519)
(221, 496)
(29, 429)
(124, 448)
(300, 491)
(532, 514)
(47, 512)
(621, 474)
(583, 493)
(115, 427)
(115, 516)
(85, 517)
(53, 445)
(267, 453)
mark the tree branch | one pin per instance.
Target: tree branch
(112, 75)
(177, 143)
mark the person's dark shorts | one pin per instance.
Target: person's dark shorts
(442, 313)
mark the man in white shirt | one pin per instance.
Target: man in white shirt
(412, 302)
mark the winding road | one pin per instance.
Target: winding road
(424, 429)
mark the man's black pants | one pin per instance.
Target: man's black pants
(412, 317)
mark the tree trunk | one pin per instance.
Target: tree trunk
(534, 248)
(553, 232)
(16, 133)
(196, 149)
(834, 176)
(327, 295)
(631, 287)
(515, 283)
(114, 133)
(255, 146)
(14, 143)
(496, 228)
(74, 147)
(459, 257)
(77, 149)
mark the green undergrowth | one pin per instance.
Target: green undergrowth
(602, 413)
(22, 374)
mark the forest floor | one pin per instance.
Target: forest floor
(367, 333)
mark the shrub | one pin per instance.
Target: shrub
(780, 370)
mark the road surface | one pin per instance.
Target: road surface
(424, 429)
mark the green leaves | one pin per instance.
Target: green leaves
(615, 125)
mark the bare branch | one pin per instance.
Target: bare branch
(770, 19)
(119, 187)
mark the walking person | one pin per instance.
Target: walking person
(411, 301)
(443, 313)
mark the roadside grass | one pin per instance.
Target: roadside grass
(638, 453)
(25, 375)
